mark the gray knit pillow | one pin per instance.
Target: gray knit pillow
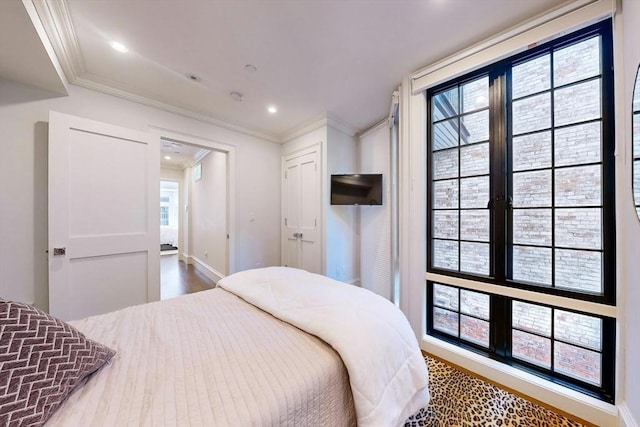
(42, 360)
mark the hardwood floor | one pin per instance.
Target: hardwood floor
(178, 278)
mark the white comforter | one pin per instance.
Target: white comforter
(386, 369)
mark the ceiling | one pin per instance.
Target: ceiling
(176, 155)
(313, 59)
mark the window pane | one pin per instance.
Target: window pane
(474, 225)
(532, 265)
(445, 134)
(636, 181)
(474, 160)
(578, 329)
(579, 228)
(445, 164)
(579, 270)
(579, 186)
(576, 62)
(577, 362)
(531, 348)
(474, 303)
(532, 189)
(578, 144)
(445, 321)
(532, 151)
(474, 257)
(531, 318)
(474, 192)
(445, 254)
(475, 127)
(445, 224)
(636, 134)
(474, 330)
(445, 194)
(532, 226)
(445, 296)
(577, 103)
(475, 94)
(532, 114)
(445, 104)
(531, 76)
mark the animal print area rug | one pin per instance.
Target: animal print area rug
(458, 399)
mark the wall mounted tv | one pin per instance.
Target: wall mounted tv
(356, 189)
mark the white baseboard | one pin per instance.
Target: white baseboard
(206, 269)
(355, 282)
(569, 401)
(625, 418)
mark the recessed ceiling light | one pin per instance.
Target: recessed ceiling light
(119, 47)
(250, 68)
(167, 157)
(272, 109)
(237, 96)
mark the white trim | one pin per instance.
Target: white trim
(625, 418)
(213, 274)
(556, 23)
(373, 128)
(230, 150)
(317, 123)
(567, 400)
(46, 43)
(558, 301)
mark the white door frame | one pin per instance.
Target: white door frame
(230, 150)
(320, 240)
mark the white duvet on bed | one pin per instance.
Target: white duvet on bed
(387, 371)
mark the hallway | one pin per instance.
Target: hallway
(179, 278)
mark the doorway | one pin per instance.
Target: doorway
(169, 218)
(199, 175)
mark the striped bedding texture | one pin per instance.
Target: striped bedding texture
(208, 359)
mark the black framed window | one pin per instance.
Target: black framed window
(521, 194)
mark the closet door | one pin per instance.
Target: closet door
(103, 217)
(301, 241)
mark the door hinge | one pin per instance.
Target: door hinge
(285, 221)
(285, 174)
(315, 222)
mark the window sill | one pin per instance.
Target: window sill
(547, 392)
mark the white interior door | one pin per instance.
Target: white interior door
(104, 251)
(301, 207)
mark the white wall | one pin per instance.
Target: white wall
(375, 221)
(340, 245)
(342, 253)
(628, 233)
(24, 114)
(208, 230)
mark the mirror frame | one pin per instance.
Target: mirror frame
(635, 145)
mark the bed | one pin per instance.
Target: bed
(267, 347)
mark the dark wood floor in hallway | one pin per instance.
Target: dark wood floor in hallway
(179, 278)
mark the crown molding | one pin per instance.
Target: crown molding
(56, 20)
(374, 127)
(325, 120)
(338, 124)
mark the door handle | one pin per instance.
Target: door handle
(297, 235)
(59, 251)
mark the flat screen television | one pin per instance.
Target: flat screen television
(356, 189)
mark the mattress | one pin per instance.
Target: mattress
(208, 359)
